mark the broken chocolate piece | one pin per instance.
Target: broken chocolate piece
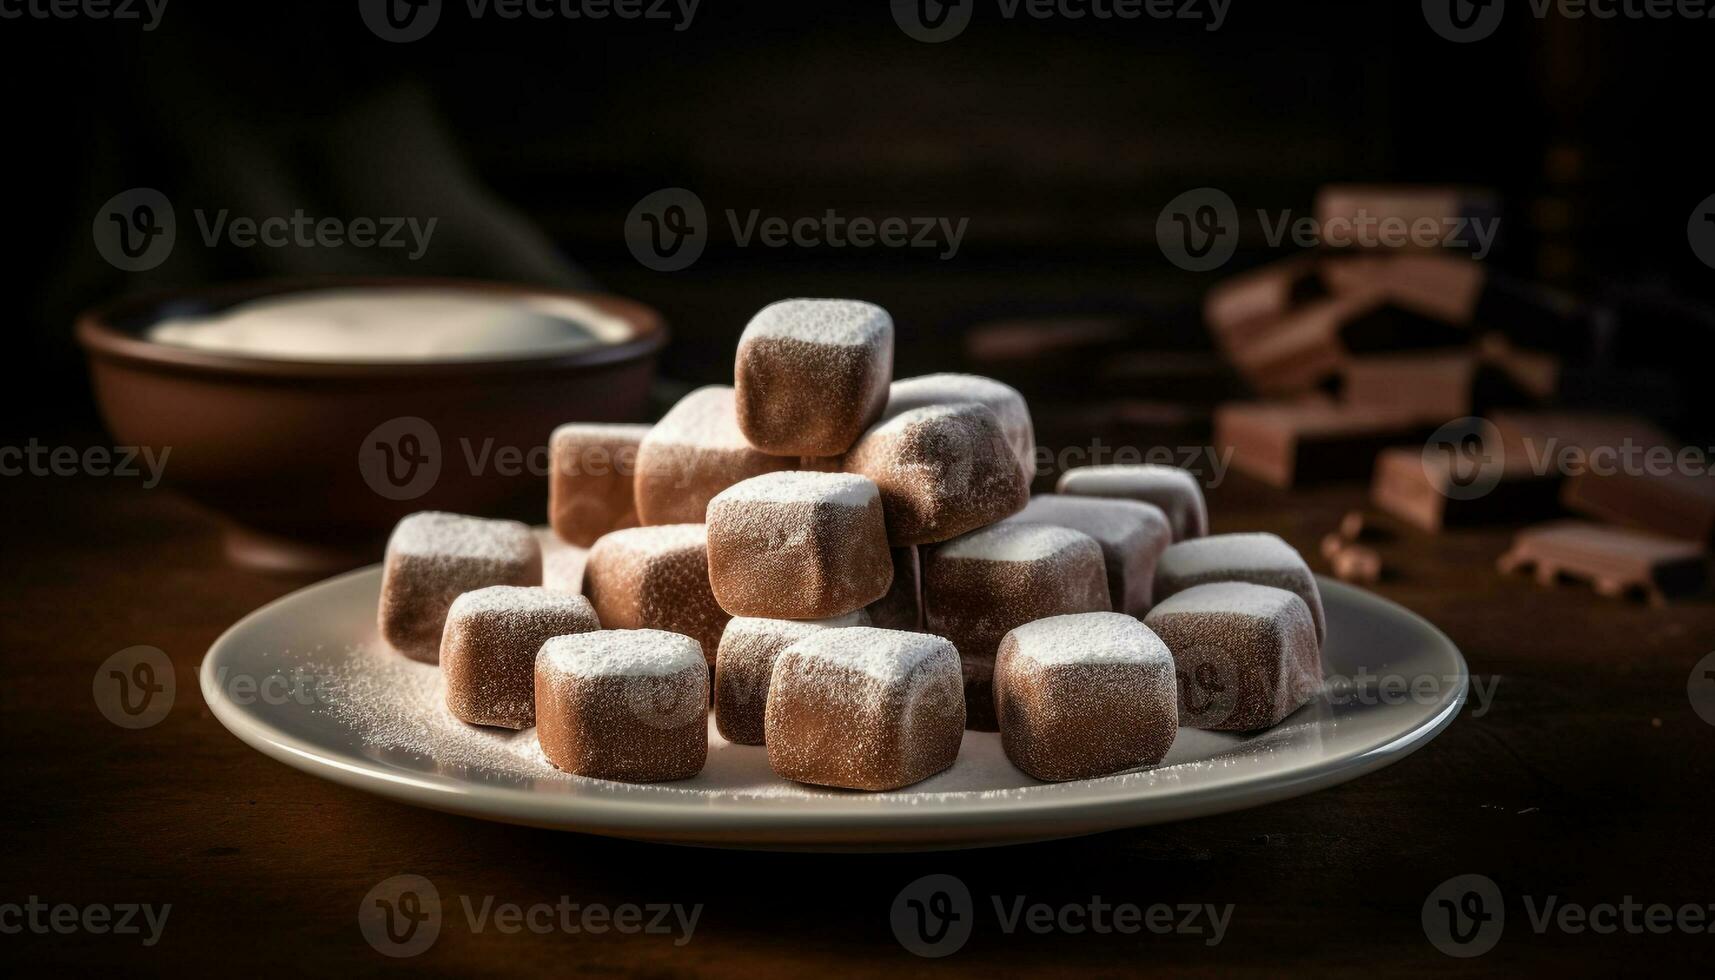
(1615, 560)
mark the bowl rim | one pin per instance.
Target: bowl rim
(101, 338)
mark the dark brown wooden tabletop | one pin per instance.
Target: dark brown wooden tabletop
(1585, 782)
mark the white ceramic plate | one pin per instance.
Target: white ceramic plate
(306, 680)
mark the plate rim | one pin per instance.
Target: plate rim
(832, 819)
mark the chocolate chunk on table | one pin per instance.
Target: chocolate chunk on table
(1615, 560)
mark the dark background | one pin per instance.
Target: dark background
(1059, 140)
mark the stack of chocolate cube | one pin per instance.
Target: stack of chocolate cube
(859, 564)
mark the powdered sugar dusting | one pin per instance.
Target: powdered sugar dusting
(1089, 638)
(1224, 553)
(623, 653)
(1262, 601)
(432, 533)
(656, 540)
(1014, 541)
(563, 565)
(705, 419)
(1174, 490)
(518, 600)
(575, 431)
(798, 486)
(1003, 400)
(886, 656)
(894, 423)
(835, 322)
(1109, 521)
(396, 708)
(795, 628)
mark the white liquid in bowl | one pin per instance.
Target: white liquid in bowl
(405, 324)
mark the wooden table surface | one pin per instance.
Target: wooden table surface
(1588, 780)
